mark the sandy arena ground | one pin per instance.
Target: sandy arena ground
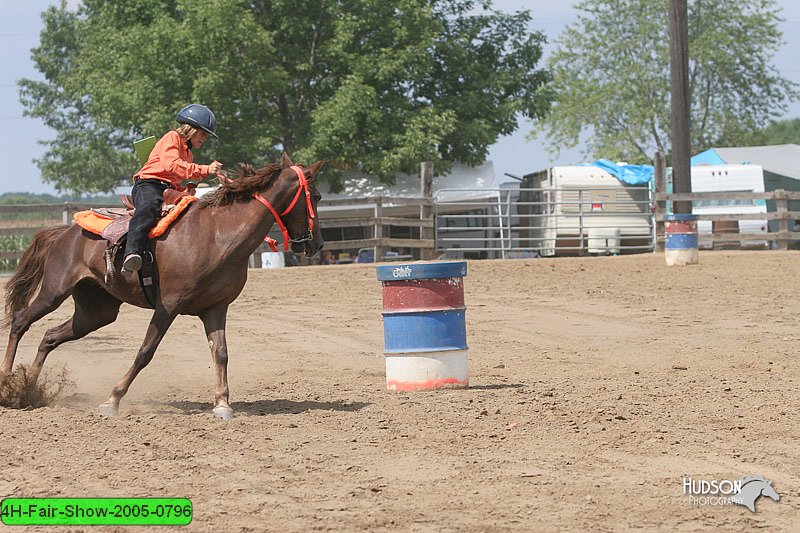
(598, 384)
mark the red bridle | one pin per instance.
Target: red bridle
(309, 206)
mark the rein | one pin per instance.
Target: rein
(309, 207)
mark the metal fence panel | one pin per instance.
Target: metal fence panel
(519, 222)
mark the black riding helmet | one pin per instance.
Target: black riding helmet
(199, 116)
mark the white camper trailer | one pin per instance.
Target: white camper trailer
(729, 178)
(571, 210)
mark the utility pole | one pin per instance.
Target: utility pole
(679, 100)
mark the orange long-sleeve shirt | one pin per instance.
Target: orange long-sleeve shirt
(171, 161)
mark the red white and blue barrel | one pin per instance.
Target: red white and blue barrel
(681, 246)
(424, 328)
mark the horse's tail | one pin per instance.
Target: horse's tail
(28, 276)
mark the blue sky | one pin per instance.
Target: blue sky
(20, 25)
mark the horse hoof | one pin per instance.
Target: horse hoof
(108, 410)
(225, 413)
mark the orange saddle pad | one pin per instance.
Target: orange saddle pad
(96, 223)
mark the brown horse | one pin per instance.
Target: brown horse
(202, 268)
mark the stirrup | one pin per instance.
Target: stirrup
(132, 263)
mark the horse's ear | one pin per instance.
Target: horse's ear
(313, 169)
(286, 161)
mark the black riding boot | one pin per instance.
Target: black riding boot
(148, 196)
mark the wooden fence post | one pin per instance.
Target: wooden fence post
(380, 249)
(255, 258)
(426, 211)
(661, 206)
(782, 207)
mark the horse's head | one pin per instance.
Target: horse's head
(767, 490)
(301, 197)
(752, 488)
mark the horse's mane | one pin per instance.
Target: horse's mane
(246, 182)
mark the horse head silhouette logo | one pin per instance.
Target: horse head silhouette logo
(752, 488)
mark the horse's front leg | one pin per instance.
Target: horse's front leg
(158, 327)
(214, 323)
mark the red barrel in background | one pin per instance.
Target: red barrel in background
(681, 247)
(424, 325)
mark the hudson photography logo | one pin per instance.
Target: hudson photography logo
(744, 491)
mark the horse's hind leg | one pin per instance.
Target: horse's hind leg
(94, 308)
(158, 327)
(214, 323)
(47, 301)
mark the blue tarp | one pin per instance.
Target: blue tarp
(630, 174)
(709, 157)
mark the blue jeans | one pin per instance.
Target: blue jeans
(148, 197)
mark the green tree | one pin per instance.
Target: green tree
(370, 85)
(778, 132)
(612, 85)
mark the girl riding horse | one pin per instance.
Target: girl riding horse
(169, 164)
